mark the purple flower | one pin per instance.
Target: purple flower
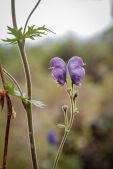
(51, 137)
(57, 62)
(75, 70)
(58, 67)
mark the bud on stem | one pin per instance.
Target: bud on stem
(65, 108)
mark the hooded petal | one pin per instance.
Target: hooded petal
(59, 75)
(57, 62)
(74, 62)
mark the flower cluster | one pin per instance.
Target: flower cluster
(76, 71)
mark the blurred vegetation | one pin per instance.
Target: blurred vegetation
(90, 145)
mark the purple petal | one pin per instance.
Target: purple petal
(74, 62)
(77, 75)
(59, 75)
(57, 62)
(75, 70)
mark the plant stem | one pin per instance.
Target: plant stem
(9, 113)
(29, 92)
(30, 15)
(9, 108)
(29, 107)
(13, 14)
(26, 69)
(62, 143)
(66, 133)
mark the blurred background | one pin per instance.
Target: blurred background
(83, 28)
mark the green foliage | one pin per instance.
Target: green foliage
(18, 36)
(36, 32)
(11, 90)
(30, 34)
(63, 126)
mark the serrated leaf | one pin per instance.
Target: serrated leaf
(61, 125)
(10, 41)
(18, 35)
(36, 32)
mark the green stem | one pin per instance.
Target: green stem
(62, 143)
(30, 15)
(29, 107)
(29, 92)
(66, 132)
(26, 69)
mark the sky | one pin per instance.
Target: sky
(84, 17)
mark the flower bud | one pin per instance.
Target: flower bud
(65, 108)
(75, 95)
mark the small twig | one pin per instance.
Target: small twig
(30, 15)
(9, 113)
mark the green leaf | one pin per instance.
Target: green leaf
(10, 41)
(36, 32)
(11, 90)
(18, 35)
(31, 34)
(61, 125)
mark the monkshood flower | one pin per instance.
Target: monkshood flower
(76, 72)
(51, 137)
(58, 67)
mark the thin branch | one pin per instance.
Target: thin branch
(9, 113)
(13, 79)
(13, 14)
(30, 15)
